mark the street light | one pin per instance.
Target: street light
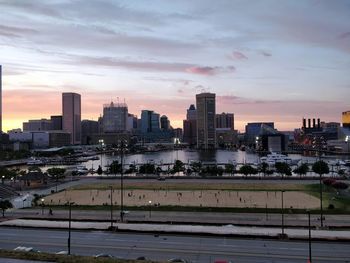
(122, 144)
(310, 257)
(150, 208)
(3, 179)
(282, 213)
(347, 139)
(111, 187)
(42, 205)
(69, 226)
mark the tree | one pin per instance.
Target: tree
(115, 167)
(229, 168)
(320, 167)
(4, 205)
(56, 173)
(283, 169)
(178, 166)
(247, 170)
(196, 167)
(264, 168)
(148, 168)
(99, 170)
(303, 169)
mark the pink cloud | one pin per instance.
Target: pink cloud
(210, 71)
(236, 55)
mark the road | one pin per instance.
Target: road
(195, 248)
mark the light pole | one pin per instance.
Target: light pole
(321, 201)
(310, 257)
(69, 226)
(42, 205)
(3, 179)
(347, 139)
(122, 146)
(111, 207)
(282, 213)
(150, 208)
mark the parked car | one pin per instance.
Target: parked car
(26, 249)
(103, 255)
(178, 260)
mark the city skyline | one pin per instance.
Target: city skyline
(265, 60)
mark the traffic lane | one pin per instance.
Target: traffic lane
(131, 245)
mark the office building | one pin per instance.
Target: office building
(206, 138)
(190, 126)
(131, 124)
(88, 128)
(346, 119)
(71, 115)
(37, 125)
(115, 117)
(149, 121)
(164, 123)
(191, 113)
(56, 122)
(225, 121)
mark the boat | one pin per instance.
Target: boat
(273, 158)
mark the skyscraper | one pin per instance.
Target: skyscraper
(164, 123)
(206, 138)
(115, 117)
(71, 115)
(149, 121)
(190, 126)
(225, 120)
(0, 99)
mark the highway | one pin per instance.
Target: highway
(163, 247)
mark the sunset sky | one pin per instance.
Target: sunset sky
(267, 60)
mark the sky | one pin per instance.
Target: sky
(266, 60)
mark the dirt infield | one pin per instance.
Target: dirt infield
(195, 198)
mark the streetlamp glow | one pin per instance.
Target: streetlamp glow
(150, 208)
(42, 205)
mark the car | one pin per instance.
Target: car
(222, 261)
(178, 260)
(26, 249)
(103, 255)
(161, 178)
(142, 258)
(63, 252)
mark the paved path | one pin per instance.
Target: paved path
(227, 230)
(256, 219)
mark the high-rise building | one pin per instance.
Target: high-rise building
(206, 138)
(131, 124)
(149, 121)
(164, 123)
(88, 128)
(37, 125)
(225, 120)
(71, 115)
(56, 122)
(346, 119)
(191, 113)
(115, 117)
(190, 126)
(0, 99)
